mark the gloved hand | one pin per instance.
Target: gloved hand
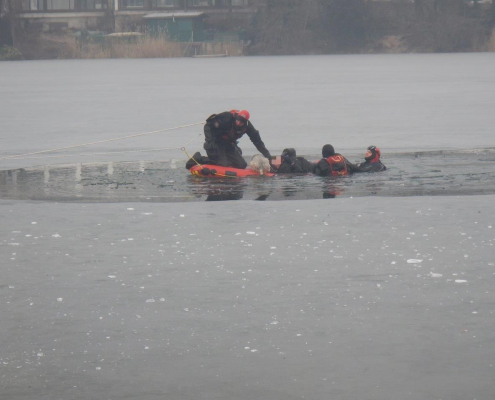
(273, 168)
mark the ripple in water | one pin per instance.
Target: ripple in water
(409, 174)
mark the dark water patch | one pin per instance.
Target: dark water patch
(409, 174)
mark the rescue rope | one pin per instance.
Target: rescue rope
(22, 156)
(187, 154)
(110, 152)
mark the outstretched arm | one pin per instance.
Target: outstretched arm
(362, 167)
(255, 137)
(350, 166)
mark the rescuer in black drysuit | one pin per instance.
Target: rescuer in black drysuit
(222, 131)
(372, 161)
(291, 164)
(332, 163)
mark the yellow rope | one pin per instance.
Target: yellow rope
(187, 154)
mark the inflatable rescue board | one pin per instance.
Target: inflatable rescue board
(217, 171)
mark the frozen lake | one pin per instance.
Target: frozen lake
(365, 298)
(397, 102)
(112, 286)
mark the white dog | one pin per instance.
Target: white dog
(259, 164)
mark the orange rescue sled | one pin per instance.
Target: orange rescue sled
(217, 171)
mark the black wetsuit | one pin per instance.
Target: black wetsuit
(295, 165)
(322, 167)
(221, 135)
(367, 166)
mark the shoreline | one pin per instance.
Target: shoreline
(69, 47)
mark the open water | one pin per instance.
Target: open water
(409, 174)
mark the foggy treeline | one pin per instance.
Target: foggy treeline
(349, 26)
(281, 27)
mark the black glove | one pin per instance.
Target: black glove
(273, 168)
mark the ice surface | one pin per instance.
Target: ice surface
(342, 294)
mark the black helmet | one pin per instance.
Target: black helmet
(288, 154)
(327, 151)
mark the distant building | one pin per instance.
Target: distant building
(116, 15)
(180, 26)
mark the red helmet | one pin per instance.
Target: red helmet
(244, 114)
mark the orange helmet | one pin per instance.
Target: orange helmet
(241, 118)
(244, 114)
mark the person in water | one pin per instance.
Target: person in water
(291, 164)
(372, 161)
(332, 163)
(222, 131)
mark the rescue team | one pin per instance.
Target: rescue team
(222, 131)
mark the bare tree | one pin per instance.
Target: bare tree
(347, 22)
(286, 27)
(13, 7)
(419, 8)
